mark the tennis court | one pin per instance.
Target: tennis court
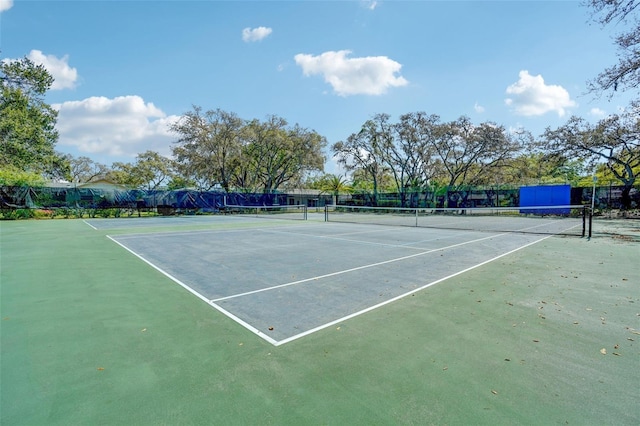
(285, 280)
(91, 334)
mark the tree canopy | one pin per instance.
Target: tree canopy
(614, 140)
(27, 124)
(84, 169)
(420, 149)
(625, 74)
(150, 171)
(219, 148)
(208, 142)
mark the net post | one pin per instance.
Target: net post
(304, 211)
(416, 217)
(326, 213)
(590, 222)
(584, 220)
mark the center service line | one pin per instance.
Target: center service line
(353, 269)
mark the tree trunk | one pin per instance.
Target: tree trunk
(626, 197)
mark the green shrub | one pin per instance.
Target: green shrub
(43, 214)
(67, 212)
(17, 214)
(107, 213)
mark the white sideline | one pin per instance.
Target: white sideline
(371, 265)
(201, 297)
(386, 302)
(274, 342)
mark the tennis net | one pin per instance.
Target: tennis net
(298, 212)
(554, 220)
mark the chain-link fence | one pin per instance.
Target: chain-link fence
(18, 202)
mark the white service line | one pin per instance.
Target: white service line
(371, 265)
(386, 302)
(371, 243)
(192, 232)
(307, 332)
(200, 296)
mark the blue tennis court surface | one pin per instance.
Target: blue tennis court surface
(286, 280)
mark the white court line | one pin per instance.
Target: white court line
(371, 243)
(94, 228)
(275, 287)
(183, 232)
(371, 265)
(386, 302)
(200, 296)
(307, 332)
(371, 231)
(518, 230)
(313, 225)
(554, 222)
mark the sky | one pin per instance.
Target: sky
(125, 70)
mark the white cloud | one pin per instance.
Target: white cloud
(255, 34)
(64, 76)
(478, 108)
(531, 96)
(5, 5)
(370, 4)
(371, 75)
(120, 127)
(597, 112)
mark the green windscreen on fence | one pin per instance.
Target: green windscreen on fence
(298, 212)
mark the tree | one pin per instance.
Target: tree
(409, 153)
(179, 182)
(331, 184)
(528, 168)
(242, 168)
(210, 143)
(153, 169)
(533, 168)
(150, 171)
(364, 151)
(470, 154)
(626, 73)
(361, 181)
(419, 151)
(125, 174)
(84, 169)
(614, 140)
(10, 176)
(219, 148)
(27, 123)
(275, 154)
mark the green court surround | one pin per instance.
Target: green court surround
(92, 335)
